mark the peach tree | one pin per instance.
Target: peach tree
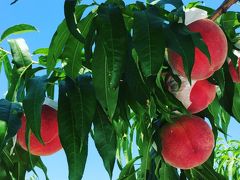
(154, 88)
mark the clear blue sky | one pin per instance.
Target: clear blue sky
(46, 15)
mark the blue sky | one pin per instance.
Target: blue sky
(46, 16)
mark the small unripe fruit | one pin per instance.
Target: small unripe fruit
(187, 143)
(195, 97)
(49, 134)
(235, 73)
(216, 42)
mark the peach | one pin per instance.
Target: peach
(195, 97)
(216, 42)
(49, 134)
(187, 143)
(235, 74)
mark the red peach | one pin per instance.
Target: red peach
(187, 143)
(197, 96)
(235, 74)
(216, 42)
(49, 134)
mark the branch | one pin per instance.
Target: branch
(222, 9)
(13, 2)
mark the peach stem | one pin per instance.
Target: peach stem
(222, 9)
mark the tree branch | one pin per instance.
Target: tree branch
(222, 9)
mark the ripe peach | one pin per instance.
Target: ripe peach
(197, 96)
(187, 143)
(235, 74)
(49, 134)
(216, 42)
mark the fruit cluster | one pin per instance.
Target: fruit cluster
(189, 141)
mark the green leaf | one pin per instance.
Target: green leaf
(69, 12)
(101, 68)
(59, 39)
(182, 44)
(226, 99)
(112, 31)
(148, 40)
(43, 51)
(168, 172)
(230, 22)
(126, 172)
(105, 139)
(20, 52)
(137, 90)
(206, 171)
(236, 102)
(76, 109)
(90, 39)
(22, 62)
(11, 113)
(73, 49)
(3, 131)
(176, 3)
(32, 103)
(17, 29)
(8, 69)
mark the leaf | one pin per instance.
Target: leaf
(89, 41)
(206, 171)
(43, 51)
(8, 69)
(230, 23)
(101, 68)
(236, 102)
(226, 99)
(3, 131)
(105, 139)
(182, 44)
(69, 13)
(22, 62)
(59, 39)
(111, 29)
(149, 41)
(73, 49)
(126, 172)
(176, 3)
(20, 52)
(137, 90)
(17, 29)
(168, 172)
(76, 109)
(11, 113)
(32, 103)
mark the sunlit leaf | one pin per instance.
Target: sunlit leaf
(17, 29)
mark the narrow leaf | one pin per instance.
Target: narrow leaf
(17, 29)
(59, 39)
(105, 139)
(72, 52)
(149, 41)
(32, 103)
(126, 171)
(75, 115)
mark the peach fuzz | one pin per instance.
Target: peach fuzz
(216, 42)
(49, 134)
(187, 143)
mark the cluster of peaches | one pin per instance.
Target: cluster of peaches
(189, 141)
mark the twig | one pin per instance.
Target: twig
(13, 2)
(222, 9)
